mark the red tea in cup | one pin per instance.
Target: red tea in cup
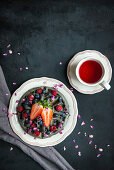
(90, 71)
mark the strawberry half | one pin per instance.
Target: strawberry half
(47, 115)
(36, 110)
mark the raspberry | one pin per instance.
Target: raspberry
(20, 108)
(25, 115)
(33, 125)
(54, 92)
(53, 128)
(31, 97)
(36, 133)
(59, 108)
(39, 91)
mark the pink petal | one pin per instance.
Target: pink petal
(76, 146)
(5, 54)
(98, 155)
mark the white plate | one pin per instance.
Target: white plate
(72, 66)
(57, 138)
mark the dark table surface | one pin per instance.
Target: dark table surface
(47, 33)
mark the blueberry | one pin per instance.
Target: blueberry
(40, 123)
(48, 132)
(60, 99)
(44, 91)
(37, 96)
(28, 111)
(63, 114)
(27, 103)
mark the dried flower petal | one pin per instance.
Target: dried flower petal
(98, 155)
(19, 53)
(21, 69)
(74, 140)
(90, 136)
(90, 142)
(5, 54)
(79, 117)
(100, 149)
(83, 123)
(64, 148)
(60, 63)
(76, 146)
(14, 83)
(10, 51)
(8, 45)
(79, 154)
(11, 149)
(79, 133)
(91, 127)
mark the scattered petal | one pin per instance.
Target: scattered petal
(79, 117)
(52, 98)
(26, 68)
(90, 142)
(15, 94)
(79, 154)
(79, 133)
(64, 148)
(100, 149)
(10, 115)
(19, 53)
(28, 130)
(95, 146)
(9, 133)
(108, 145)
(60, 85)
(3, 109)
(98, 155)
(91, 120)
(21, 69)
(74, 140)
(85, 134)
(11, 149)
(45, 134)
(30, 122)
(83, 123)
(14, 83)
(60, 63)
(8, 45)
(51, 148)
(7, 94)
(5, 54)
(17, 101)
(76, 146)
(60, 132)
(71, 89)
(60, 125)
(90, 136)
(91, 127)
(24, 100)
(10, 51)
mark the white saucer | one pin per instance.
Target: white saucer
(69, 126)
(72, 66)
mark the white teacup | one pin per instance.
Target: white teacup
(100, 82)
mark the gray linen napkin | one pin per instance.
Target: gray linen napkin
(48, 159)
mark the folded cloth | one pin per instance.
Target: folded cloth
(48, 158)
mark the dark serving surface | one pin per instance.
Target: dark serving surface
(44, 35)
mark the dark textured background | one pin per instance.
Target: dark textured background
(46, 33)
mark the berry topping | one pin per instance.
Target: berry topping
(47, 115)
(39, 91)
(36, 133)
(33, 125)
(54, 92)
(20, 108)
(40, 123)
(53, 128)
(59, 108)
(63, 114)
(31, 97)
(25, 115)
(36, 110)
(28, 111)
(37, 96)
(44, 91)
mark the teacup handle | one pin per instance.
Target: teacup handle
(105, 85)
